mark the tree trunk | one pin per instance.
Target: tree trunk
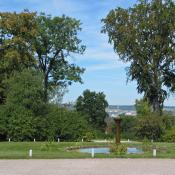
(156, 106)
(46, 88)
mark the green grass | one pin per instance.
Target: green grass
(54, 150)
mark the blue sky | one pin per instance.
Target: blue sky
(104, 72)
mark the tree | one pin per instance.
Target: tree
(144, 36)
(3, 128)
(42, 42)
(56, 40)
(150, 127)
(26, 116)
(23, 103)
(16, 49)
(20, 125)
(93, 106)
(67, 125)
(26, 89)
(60, 123)
(142, 107)
(169, 135)
(128, 124)
(153, 126)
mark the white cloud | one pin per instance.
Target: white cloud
(109, 66)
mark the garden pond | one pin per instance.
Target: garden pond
(106, 150)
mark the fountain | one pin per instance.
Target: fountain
(118, 130)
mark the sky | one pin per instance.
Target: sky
(104, 71)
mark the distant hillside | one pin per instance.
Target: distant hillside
(123, 107)
(132, 107)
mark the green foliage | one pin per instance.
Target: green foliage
(147, 145)
(128, 127)
(119, 149)
(89, 136)
(26, 89)
(153, 126)
(110, 125)
(168, 120)
(56, 40)
(143, 36)
(128, 124)
(40, 42)
(142, 107)
(72, 126)
(3, 128)
(67, 125)
(169, 135)
(34, 71)
(45, 147)
(16, 49)
(26, 116)
(42, 128)
(150, 127)
(93, 105)
(24, 101)
(20, 124)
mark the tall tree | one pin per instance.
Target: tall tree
(55, 41)
(26, 89)
(142, 107)
(144, 36)
(16, 49)
(93, 105)
(24, 102)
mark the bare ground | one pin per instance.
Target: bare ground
(88, 167)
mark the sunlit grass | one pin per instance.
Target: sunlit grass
(54, 150)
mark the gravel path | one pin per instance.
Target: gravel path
(88, 167)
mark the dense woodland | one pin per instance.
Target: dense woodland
(35, 72)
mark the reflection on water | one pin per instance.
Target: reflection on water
(107, 150)
(96, 150)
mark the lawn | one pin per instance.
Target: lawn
(54, 150)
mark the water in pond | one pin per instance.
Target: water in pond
(96, 150)
(107, 150)
(134, 151)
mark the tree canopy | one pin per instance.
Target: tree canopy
(16, 49)
(144, 36)
(42, 42)
(35, 67)
(93, 105)
(56, 40)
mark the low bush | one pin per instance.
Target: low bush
(118, 149)
(153, 126)
(147, 145)
(169, 135)
(88, 136)
(45, 147)
(128, 124)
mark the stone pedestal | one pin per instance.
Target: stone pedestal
(118, 130)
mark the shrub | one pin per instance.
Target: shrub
(89, 136)
(20, 125)
(147, 145)
(3, 124)
(150, 127)
(153, 126)
(118, 149)
(169, 135)
(128, 124)
(67, 125)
